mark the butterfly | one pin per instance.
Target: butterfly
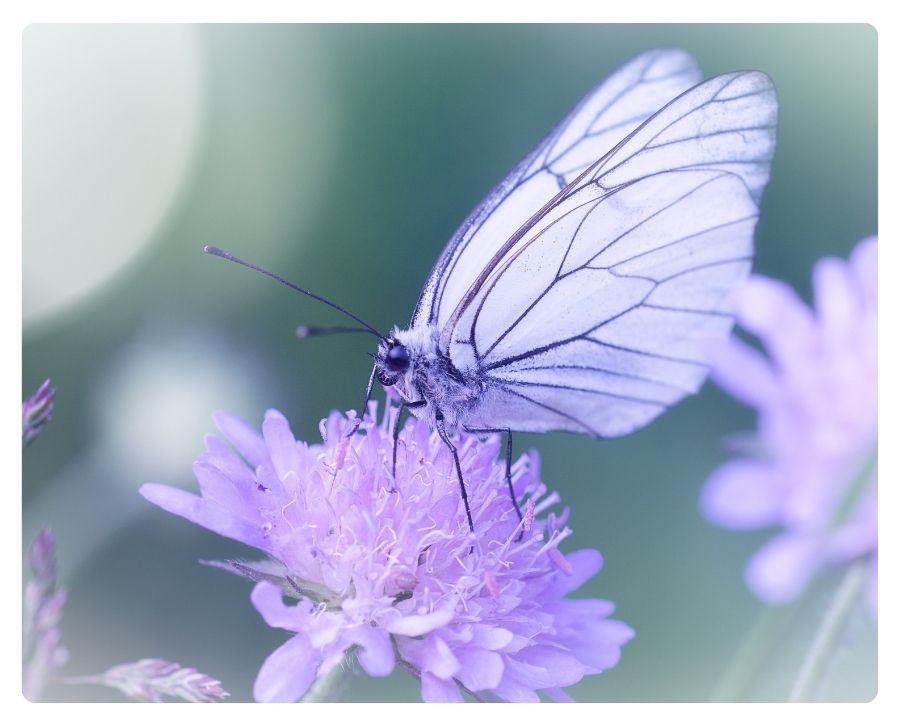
(581, 293)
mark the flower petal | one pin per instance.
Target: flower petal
(480, 669)
(430, 654)
(555, 668)
(216, 487)
(437, 690)
(836, 300)
(377, 654)
(226, 460)
(773, 312)
(268, 600)
(584, 565)
(598, 643)
(413, 625)
(511, 689)
(245, 438)
(288, 673)
(281, 444)
(742, 494)
(779, 571)
(864, 262)
(206, 514)
(743, 372)
(487, 636)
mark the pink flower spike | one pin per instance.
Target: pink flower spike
(342, 452)
(42, 650)
(37, 411)
(558, 559)
(490, 584)
(528, 518)
(153, 679)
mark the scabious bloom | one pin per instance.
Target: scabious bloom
(811, 471)
(385, 567)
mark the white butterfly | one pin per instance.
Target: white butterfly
(581, 293)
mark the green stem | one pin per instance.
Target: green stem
(828, 632)
(327, 688)
(742, 669)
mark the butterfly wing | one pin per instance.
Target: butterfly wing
(595, 318)
(605, 116)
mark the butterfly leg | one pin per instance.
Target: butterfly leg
(403, 404)
(512, 494)
(442, 432)
(362, 411)
(509, 484)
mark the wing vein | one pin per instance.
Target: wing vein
(608, 371)
(671, 309)
(708, 135)
(680, 240)
(578, 389)
(570, 417)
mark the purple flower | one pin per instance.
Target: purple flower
(36, 412)
(812, 469)
(387, 569)
(152, 679)
(42, 650)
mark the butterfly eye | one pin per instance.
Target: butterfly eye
(397, 358)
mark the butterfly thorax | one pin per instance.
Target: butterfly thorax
(412, 362)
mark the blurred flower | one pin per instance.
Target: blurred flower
(151, 679)
(813, 470)
(387, 567)
(42, 650)
(36, 412)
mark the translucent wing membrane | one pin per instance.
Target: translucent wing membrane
(595, 317)
(605, 116)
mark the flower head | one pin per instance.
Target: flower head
(812, 469)
(386, 567)
(37, 410)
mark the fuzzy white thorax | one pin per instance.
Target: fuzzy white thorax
(432, 377)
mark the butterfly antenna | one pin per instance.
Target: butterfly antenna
(211, 250)
(311, 331)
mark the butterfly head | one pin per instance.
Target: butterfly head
(392, 361)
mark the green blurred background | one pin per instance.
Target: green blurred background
(343, 157)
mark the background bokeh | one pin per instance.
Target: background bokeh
(343, 157)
